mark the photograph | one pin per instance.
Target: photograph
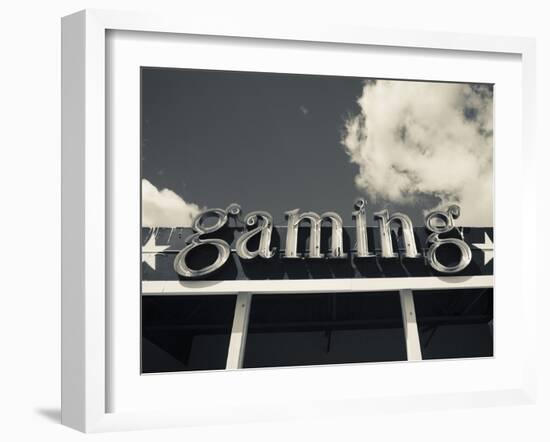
(298, 220)
(275, 222)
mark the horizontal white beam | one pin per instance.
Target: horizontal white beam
(315, 285)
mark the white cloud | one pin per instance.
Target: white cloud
(414, 139)
(165, 208)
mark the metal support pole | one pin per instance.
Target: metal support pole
(414, 352)
(237, 343)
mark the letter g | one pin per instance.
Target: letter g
(194, 241)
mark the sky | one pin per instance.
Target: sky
(277, 142)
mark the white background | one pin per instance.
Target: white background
(30, 174)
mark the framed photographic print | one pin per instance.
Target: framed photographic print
(260, 212)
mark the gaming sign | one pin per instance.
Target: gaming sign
(316, 246)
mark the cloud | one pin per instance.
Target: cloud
(419, 139)
(165, 208)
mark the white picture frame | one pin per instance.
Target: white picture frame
(87, 212)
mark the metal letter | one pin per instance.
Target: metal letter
(361, 229)
(315, 221)
(440, 222)
(194, 241)
(384, 224)
(265, 227)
